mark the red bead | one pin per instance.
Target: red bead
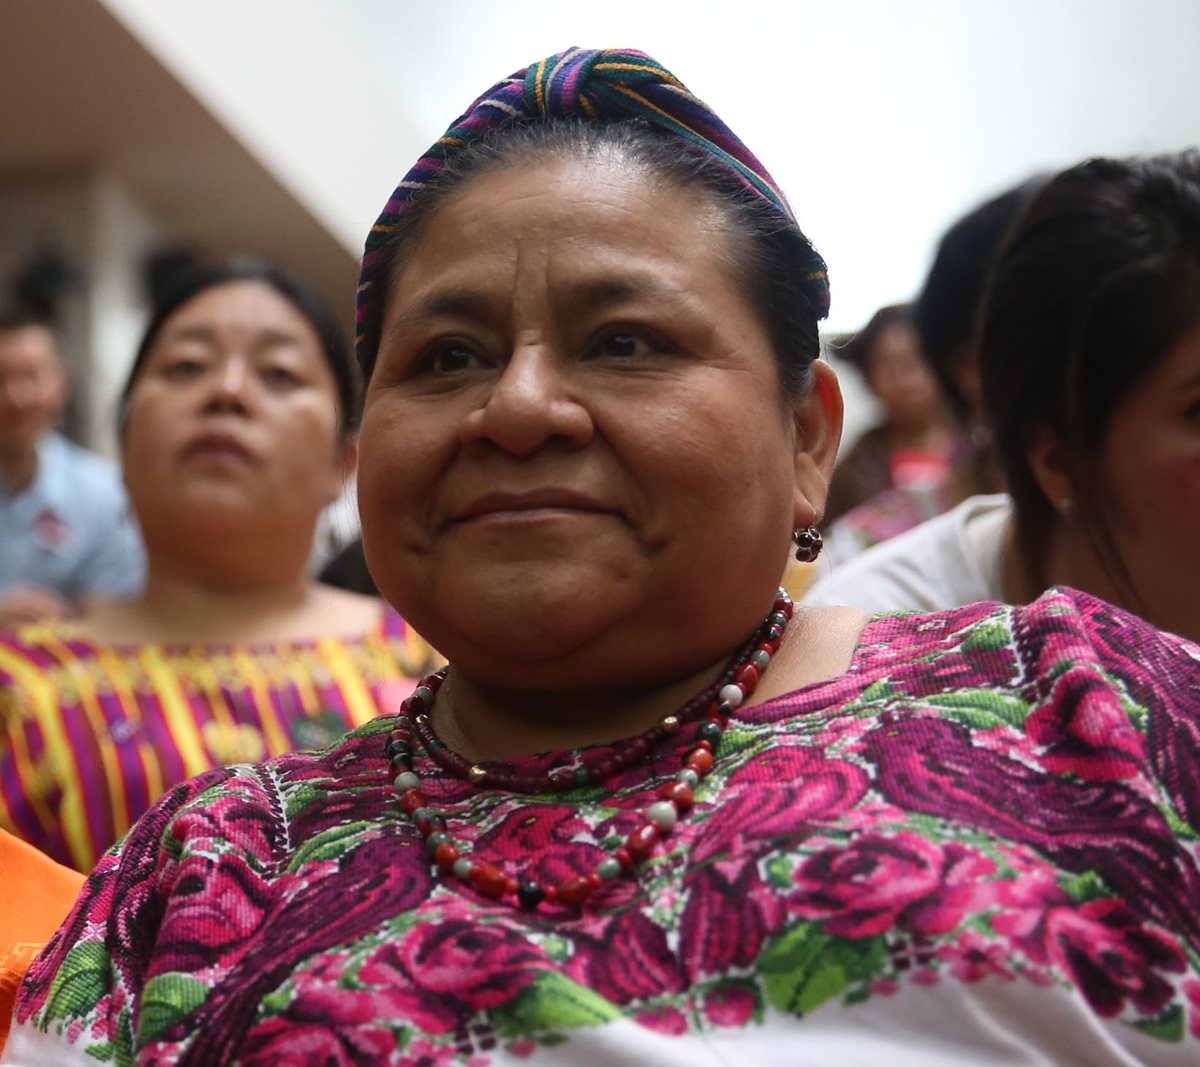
(771, 645)
(489, 880)
(446, 855)
(410, 800)
(678, 793)
(551, 894)
(623, 857)
(511, 886)
(574, 891)
(705, 745)
(746, 677)
(700, 761)
(595, 881)
(641, 841)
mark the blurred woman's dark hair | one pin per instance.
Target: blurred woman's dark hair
(334, 345)
(946, 313)
(1099, 280)
(770, 265)
(858, 349)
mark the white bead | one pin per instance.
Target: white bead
(462, 868)
(406, 780)
(731, 694)
(663, 815)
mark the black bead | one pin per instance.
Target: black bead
(774, 631)
(710, 731)
(530, 893)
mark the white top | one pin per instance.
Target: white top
(946, 562)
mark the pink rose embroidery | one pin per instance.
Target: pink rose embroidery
(879, 882)
(443, 973)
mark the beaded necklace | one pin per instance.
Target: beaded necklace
(716, 704)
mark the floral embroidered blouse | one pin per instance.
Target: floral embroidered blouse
(977, 846)
(92, 734)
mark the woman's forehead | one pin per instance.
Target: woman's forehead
(584, 219)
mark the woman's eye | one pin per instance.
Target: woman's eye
(182, 368)
(450, 359)
(624, 344)
(280, 377)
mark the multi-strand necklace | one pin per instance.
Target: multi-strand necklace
(714, 705)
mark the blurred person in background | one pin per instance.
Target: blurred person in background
(236, 430)
(65, 529)
(946, 318)
(914, 445)
(1089, 369)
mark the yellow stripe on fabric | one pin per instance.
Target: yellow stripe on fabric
(670, 79)
(360, 704)
(181, 722)
(273, 732)
(539, 89)
(117, 672)
(586, 104)
(89, 699)
(48, 711)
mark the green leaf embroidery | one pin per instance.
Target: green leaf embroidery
(103, 1052)
(987, 638)
(1084, 887)
(1167, 1026)
(166, 999)
(124, 1049)
(806, 967)
(330, 844)
(552, 1002)
(81, 981)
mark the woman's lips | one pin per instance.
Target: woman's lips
(528, 506)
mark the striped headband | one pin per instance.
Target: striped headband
(591, 83)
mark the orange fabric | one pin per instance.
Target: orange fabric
(35, 895)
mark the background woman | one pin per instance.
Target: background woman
(236, 431)
(645, 817)
(1090, 359)
(913, 446)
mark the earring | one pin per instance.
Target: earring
(808, 544)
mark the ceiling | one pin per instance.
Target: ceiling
(80, 92)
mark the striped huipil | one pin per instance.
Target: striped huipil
(91, 735)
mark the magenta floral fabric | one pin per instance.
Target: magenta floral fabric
(979, 845)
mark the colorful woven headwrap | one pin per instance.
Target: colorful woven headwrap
(603, 84)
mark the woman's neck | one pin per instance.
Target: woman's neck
(485, 723)
(176, 609)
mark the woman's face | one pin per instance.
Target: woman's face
(578, 467)
(233, 418)
(901, 380)
(1152, 466)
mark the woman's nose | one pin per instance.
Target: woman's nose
(530, 404)
(232, 382)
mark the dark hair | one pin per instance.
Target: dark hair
(770, 267)
(946, 313)
(334, 346)
(17, 319)
(1095, 285)
(859, 348)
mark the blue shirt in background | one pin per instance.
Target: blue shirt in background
(71, 530)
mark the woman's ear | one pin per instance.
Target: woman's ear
(1048, 463)
(817, 416)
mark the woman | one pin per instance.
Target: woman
(588, 325)
(913, 447)
(236, 426)
(1090, 359)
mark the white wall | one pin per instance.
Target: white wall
(882, 119)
